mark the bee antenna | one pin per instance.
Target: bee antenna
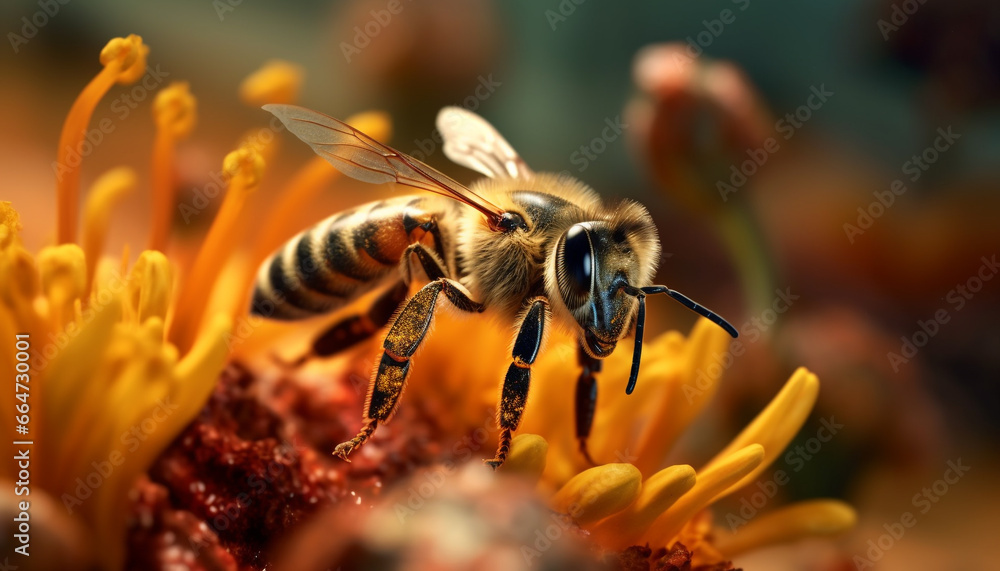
(640, 322)
(694, 306)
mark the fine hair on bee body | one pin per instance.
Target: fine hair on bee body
(535, 249)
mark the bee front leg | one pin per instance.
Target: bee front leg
(586, 399)
(401, 342)
(514, 394)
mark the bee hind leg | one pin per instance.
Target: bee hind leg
(586, 399)
(514, 394)
(355, 328)
(401, 342)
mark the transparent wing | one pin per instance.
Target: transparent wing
(469, 140)
(360, 157)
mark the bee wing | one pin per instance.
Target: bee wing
(363, 158)
(469, 140)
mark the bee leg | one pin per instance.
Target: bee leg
(402, 340)
(429, 261)
(514, 394)
(355, 328)
(586, 399)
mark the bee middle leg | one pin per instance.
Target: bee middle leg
(514, 394)
(586, 399)
(401, 342)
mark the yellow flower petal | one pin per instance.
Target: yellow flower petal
(527, 456)
(711, 481)
(598, 492)
(684, 396)
(790, 523)
(70, 375)
(659, 492)
(199, 370)
(776, 425)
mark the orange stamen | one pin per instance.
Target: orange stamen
(121, 58)
(104, 194)
(245, 168)
(175, 113)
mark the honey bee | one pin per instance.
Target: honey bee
(538, 249)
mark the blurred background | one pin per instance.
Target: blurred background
(824, 175)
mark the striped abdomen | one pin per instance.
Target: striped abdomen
(342, 257)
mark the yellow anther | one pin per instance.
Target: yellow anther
(175, 109)
(527, 456)
(598, 492)
(149, 286)
(244, 166)
(129, 54)
(63, 272)
(277, 81)
(10, 224)
(659, 492)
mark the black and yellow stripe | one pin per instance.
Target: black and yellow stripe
(341, 258)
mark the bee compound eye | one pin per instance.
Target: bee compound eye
(578, 259)
(511, 221)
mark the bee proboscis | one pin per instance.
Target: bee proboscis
(534, 247)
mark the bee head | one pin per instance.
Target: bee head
(600, 267)
(594, 263)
